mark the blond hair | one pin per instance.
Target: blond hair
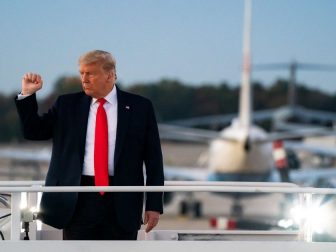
(105, 58)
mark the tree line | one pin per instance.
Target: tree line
(173, 99)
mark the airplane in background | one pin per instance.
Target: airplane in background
(293, 110)
(242, 151)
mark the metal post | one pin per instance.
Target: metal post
(32, 203)
(16, 216)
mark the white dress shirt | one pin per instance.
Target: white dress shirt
(111, 108)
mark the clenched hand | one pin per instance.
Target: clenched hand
(31, 83)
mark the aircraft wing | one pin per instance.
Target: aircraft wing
(295, 134)
(312, 148)
(280, 113)
(311, 114)
(179, 133)
(290, 126)
(322, 177)
(222, 119)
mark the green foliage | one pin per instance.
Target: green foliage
(9, 121)
(277, 94)
(170, 98)
(67, 84)
(173, 100)
(315, 99)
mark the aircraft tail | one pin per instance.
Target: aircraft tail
(245, 106)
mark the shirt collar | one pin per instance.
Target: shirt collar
(110, 97)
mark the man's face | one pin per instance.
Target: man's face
(96, 82)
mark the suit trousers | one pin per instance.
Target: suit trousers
(94, 217)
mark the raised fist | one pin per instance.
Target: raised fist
(31, 83)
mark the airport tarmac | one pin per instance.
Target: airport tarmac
(266, 207)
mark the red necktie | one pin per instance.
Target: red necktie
(101, 147)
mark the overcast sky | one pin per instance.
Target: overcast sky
(195, 41)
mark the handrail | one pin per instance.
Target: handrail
(243, 189)
(228, 183)
(173, 183)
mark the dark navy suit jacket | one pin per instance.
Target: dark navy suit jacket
(137, 142)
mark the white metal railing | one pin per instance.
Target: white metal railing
(178, 188)
(17, 187)
(172, 183)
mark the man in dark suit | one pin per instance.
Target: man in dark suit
(101, 136)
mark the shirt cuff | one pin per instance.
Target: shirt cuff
(21, 96)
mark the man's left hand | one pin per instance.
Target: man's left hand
(151, 220)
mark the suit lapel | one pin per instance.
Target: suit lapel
(122, 123)
(82, 114)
